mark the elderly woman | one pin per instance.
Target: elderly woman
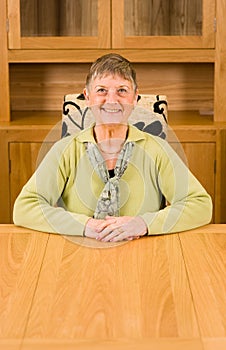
(108, 181)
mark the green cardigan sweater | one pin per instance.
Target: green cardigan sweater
(62, 194)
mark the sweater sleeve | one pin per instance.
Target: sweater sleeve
(190, 206)
(36, 208)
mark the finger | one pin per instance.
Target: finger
(108, 217)
(104, 225)
(123, 237)
(113, 234)
(107, 230)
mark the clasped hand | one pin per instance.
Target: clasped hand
(113, 229)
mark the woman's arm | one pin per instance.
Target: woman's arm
(36, 208)
(189, 206)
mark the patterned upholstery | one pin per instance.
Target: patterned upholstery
(149, 115)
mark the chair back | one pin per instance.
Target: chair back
(150, 114)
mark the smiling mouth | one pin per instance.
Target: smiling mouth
(114, 110)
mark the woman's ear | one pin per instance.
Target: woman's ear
(136, 98)
(85, 92)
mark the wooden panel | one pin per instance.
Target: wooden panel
(72, 24)
(24, 128)
(85, 55)
(186, 17)
(9, 344)
(187, 86)
(118, 24)
(214, 343)
(221, 182)
(104, 24)
(178, 17)
(42, 86)
(14, 23)
(21, 257)
(157, 24)
(123, 344)
(220, 63)
(28, 12)
(4, 69)
(83, 293)
(167, 42)
(47, 24)
(63, 42)
(171, 277)
(4, 178)
(24, 159)
(68, 18)
(200, 158)
(79, 18)
(205, 261)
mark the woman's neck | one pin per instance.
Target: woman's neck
(104, 132)
(110, 139)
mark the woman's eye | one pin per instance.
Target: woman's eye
(101, 91)
(122, 91)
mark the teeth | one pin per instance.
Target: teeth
(111, 110)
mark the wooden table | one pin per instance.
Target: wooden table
(160, 292)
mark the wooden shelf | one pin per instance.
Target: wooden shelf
(35, 117)
(134, 55)
(183, 125)
(175, 118)
(32, 119)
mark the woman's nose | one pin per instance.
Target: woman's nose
(112, 96)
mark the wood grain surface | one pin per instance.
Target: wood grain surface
(162, 292)
(205, 259)
(21, 258)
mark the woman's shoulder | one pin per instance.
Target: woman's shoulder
(80, 136)
(152, 144)
(65, 142)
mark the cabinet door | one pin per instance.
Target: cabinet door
(163, 23)
(56, 24)
(200, 157)
(24, 159)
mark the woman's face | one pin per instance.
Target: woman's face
(111, 99)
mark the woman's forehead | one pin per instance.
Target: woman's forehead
(110, 79)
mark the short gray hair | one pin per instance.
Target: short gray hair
(113, 64)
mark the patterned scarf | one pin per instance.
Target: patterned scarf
(108, 202)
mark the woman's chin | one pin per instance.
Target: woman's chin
(112, 119)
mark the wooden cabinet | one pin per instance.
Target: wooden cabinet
(195, 156)
(22, 147)
(24, 158)
(201, 159)
(92, 24)
(198, 148)
(163, 24)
